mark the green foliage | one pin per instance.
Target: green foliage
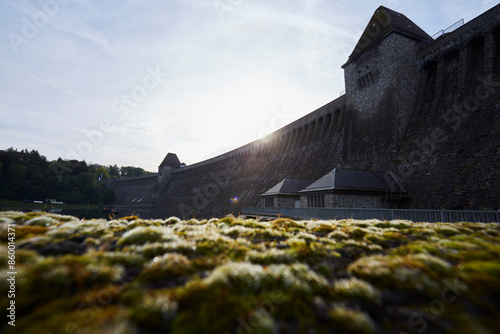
(28, 175)
(130, 171)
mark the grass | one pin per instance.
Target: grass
(237, 275)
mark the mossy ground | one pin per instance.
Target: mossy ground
(236, 275)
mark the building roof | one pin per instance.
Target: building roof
(144, 200)
(288, 187)
(355, 180)
(171, 160)
(383, 22)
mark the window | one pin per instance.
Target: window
(365, 81)
(316, 201)
(269, 202)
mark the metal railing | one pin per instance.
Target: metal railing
(454, 26)
(382, 214)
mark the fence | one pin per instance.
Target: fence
(382, 214)
(454, 26)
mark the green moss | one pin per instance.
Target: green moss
(393, 236)
(172, 221)
(286, 223)
(482, 275)
(412, 271)
(165, 267)
(376, 239)
(306, 236)
(16, 216)
(129, 218)
(142, 235)
(322, 227)
(446, 230)
(222, 272)
(126, 259)
(351, 321)
(384, 224)
(226, 220)
(214, 245)
(153, 249)
(37, 241)
(42, 221)
(270, 256)
(91, 311)
(263, 235)
(261, 322)
(245, 278)
(24, 231)
(417, 247)
(354, 288)
(154, 314)
(339, 235)
(358, 232)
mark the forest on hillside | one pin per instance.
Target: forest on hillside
(28, 175)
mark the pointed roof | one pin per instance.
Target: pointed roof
(288, 187)
(345, 179)
(171, 160)
(384, 22)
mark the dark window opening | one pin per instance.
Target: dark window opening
(316, 201)
(496, 64)
(475, 61)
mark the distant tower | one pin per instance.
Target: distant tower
(167, 166)
(381, 84)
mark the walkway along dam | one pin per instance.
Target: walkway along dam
(424, 109)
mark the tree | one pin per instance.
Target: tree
(130, 171)
(16, 182)
(114, 171)
(28, 175)
(102, 173)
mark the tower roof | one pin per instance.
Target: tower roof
(384, 22)
(171, 160)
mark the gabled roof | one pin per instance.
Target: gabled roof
(144, 200)
(171, 160)
(355, 180)
(288, 187)
(383, 22)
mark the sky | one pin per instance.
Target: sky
(126, 81)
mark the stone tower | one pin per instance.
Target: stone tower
(381, 79)
(167, 166)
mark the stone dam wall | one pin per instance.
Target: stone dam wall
(429, 114)
(126, 190)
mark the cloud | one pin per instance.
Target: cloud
(72, 23)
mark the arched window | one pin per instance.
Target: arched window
(496, 53)
(475, 58)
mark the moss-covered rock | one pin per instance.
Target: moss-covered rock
(232, 274)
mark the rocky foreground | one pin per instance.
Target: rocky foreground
(236, 275)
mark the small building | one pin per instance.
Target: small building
(344, 188)
(285, 194)
(143, 202)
